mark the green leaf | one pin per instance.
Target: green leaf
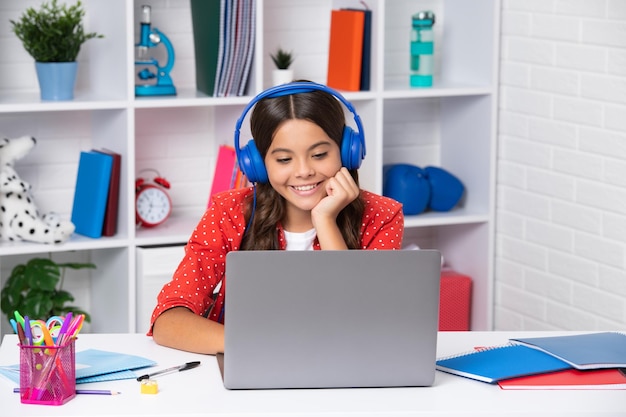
(37, 305)
(59, 298)
(42, 274)
(282, 59)
(77, 265)
(10, 302)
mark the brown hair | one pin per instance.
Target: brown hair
(318, 107)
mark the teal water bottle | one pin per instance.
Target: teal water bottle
(422, 45)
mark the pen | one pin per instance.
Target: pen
(21, 335)
(28, 331)
(64, 327)
(88, 391)
(188, 365)
(13, 324)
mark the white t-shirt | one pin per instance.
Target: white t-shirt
(300, 241)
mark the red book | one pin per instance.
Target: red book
(109, 227)
(569, 379)
(345, 52)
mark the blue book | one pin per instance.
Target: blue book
(499, 363)
(583, 351)
(91, 193)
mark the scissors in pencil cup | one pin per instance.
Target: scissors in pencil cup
(42, 335)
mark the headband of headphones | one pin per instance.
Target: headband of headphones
(353, 143)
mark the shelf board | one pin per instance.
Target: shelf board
(75, 243)
(176, 230)
(453, 217)
(188, 97)
(395, 88)
(24, 102)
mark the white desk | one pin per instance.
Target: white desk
(200, 391)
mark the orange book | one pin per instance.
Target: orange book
(345, 50)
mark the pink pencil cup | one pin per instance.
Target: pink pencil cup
(47, 374)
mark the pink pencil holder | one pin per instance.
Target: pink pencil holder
(47, 374)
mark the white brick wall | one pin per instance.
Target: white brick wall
(561, 184)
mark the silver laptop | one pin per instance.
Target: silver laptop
(330, 319)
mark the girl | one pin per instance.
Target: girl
(309, 202)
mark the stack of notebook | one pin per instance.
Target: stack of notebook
(584, 361)
(224, 38)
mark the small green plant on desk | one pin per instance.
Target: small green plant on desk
(35, 289)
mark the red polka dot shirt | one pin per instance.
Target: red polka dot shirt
(221, 230)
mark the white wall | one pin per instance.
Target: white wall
(561, 183)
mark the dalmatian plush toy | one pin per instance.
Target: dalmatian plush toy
(19, 217)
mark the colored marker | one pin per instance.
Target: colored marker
(27, 331)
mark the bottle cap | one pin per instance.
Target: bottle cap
(425, 17)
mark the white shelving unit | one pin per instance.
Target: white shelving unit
(452, 124)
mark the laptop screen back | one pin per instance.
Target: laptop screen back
(316, 319)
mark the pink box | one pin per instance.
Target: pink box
(47, 374)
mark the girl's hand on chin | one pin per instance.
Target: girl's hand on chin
(341, 190)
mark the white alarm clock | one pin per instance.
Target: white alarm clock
(153, 205)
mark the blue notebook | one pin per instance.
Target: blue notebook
(502, 362)
(91, 193)
(93, 365)
(583, 351)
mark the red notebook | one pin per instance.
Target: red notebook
(345, 51)
(569, 379)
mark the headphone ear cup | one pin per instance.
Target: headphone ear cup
(351, 149)
(251, 163)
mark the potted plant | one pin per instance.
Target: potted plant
(35, 289)
(283, 60)
(53, 36)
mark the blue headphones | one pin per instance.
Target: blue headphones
(352, 143)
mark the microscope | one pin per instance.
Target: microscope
(157, 83)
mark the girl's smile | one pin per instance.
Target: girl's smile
(302, 189)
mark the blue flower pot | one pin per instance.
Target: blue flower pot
(56, 79)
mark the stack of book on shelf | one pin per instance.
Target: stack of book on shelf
(96, 195)
(583, 361)
(349, 51)
(227, 174)
(224, 37)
